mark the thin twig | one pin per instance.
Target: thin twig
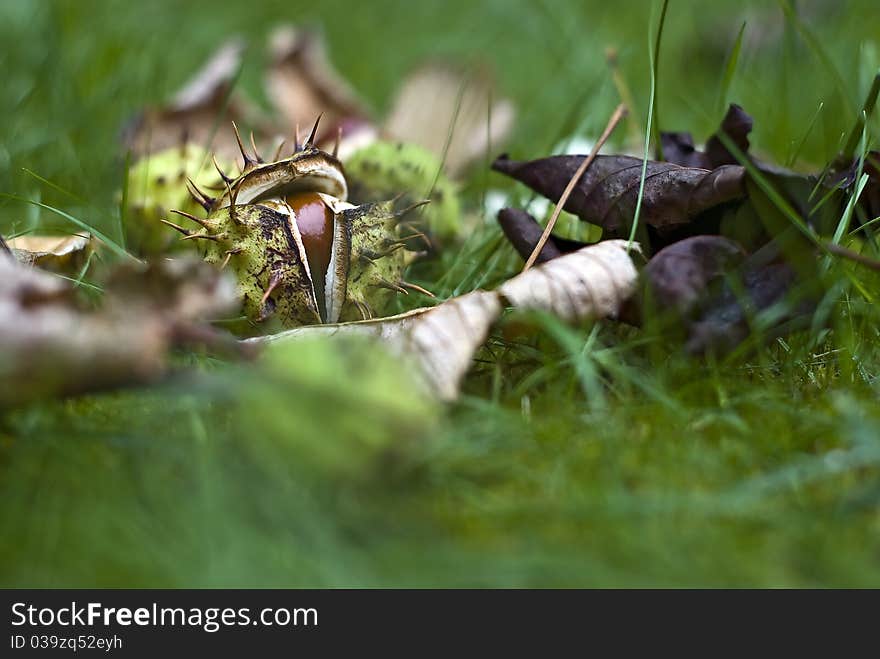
(619, 114)
(845, 253)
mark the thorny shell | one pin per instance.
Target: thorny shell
(301, 253)
(158, 183)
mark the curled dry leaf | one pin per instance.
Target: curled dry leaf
(607, 193)
(448, 112)
(196, 111)
(50, 346)
(727, 319)
(302, 84)
(591, 283)
(679, 148)
(678, 276)
(64, 254)
(440, 340)
(523, 232)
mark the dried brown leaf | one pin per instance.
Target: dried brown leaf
(438, 99)
(524, 232)
(50, 346)
(195, 112)
(591, 283)
(727, 319)
(608, 191)
(64, 254)
(680, 275)
(679, 148)
(302, 84)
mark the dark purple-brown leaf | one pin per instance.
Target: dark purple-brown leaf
(679, 275)
(728, 319)
(608, 191)
(679, 148)
(524, 232)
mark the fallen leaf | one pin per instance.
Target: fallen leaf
(440, 340)
(524, 232)
(679, 148)
(198, 111)
(607, 193)
(448, 112)
(589, 284)
(64, 254)
(302, 84)
(727, 319)
(50, 346)
(679, 275)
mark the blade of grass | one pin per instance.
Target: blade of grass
(52, 185)
(649, 131)
(623, 91)
(855, 134)
(655, 65)
(578, 352)
(112, 245)
(729, 70)
(123, 201)
(792, 158)
(865, 226)
(843, 225)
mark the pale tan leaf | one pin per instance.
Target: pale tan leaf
(55, 253)
(50, 346)
(441, 340)
(438, 99)
(302, 84)
(589, 284)
(200, 112)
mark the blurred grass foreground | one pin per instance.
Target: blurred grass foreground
(321, 465)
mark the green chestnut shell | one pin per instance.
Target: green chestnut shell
(155, 185)
(383, 170)
(252, 229)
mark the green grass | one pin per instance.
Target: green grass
(577, 456)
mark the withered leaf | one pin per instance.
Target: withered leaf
(607, 193)
(591, 283)
(64, 254)
(51, 346)
(727, 319)
(679, 148)
(440, 341)
(445, 110)
(679, 275)
(524, 232)
(194, 113)
(302, 84)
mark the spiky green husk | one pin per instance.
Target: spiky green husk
(157, 184)
(259, 244)
(383, 170)
(378, 259)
